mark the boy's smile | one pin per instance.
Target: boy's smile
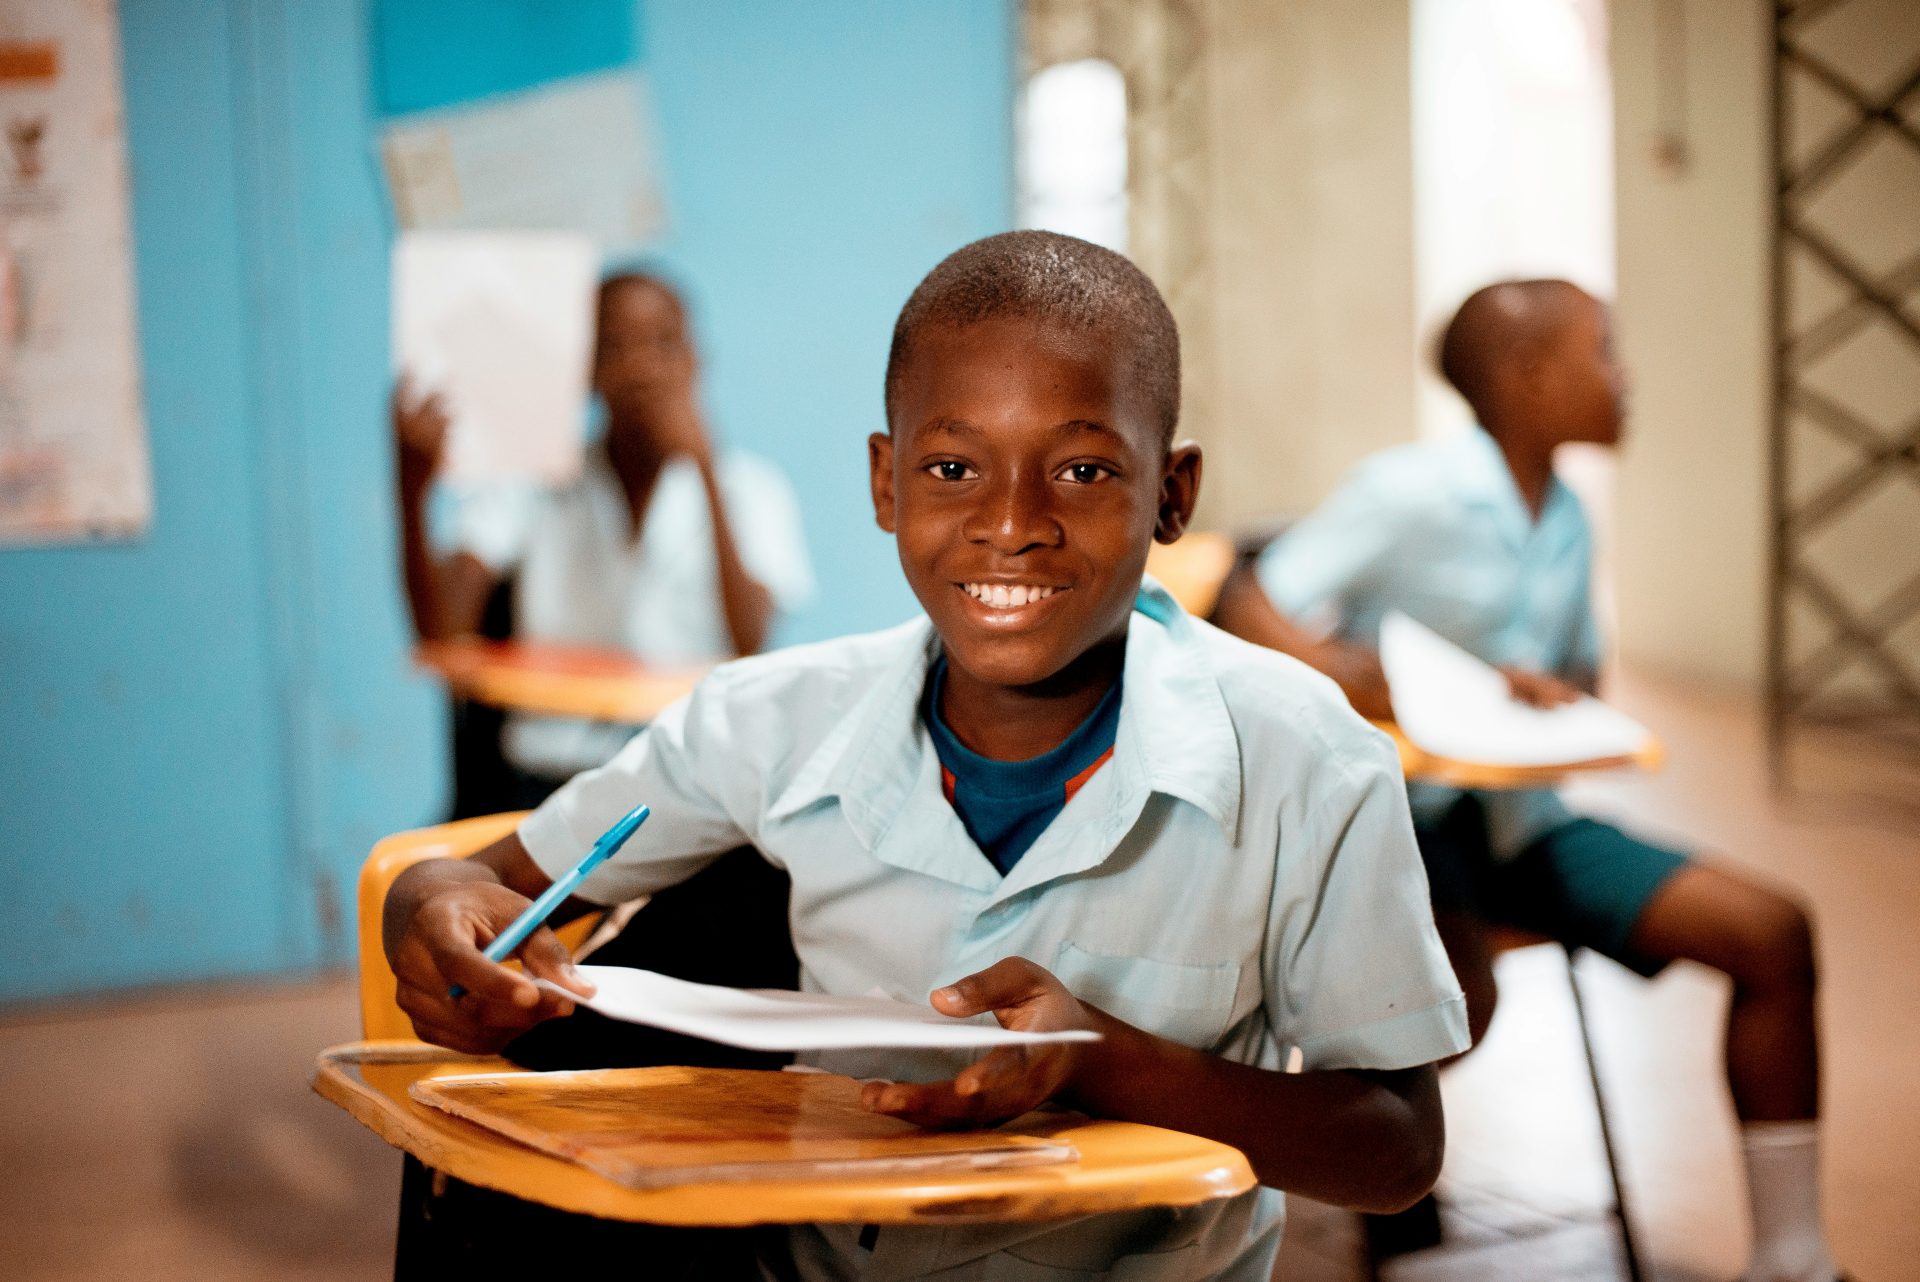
(1025, 480)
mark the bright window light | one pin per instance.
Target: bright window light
(1073, 152)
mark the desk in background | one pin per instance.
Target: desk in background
(556, 680)
(1421, 766)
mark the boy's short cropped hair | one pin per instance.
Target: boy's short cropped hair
(1498, 322)
(636, 278)
(1057, 279)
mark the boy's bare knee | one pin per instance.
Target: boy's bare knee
(1776, 946)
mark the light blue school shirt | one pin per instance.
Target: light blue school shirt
(1438, 531)
(1241, 877)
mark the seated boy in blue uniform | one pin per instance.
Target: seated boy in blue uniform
(1054, 798)
(1476, 538)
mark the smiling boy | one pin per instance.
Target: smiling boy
(1055, 798)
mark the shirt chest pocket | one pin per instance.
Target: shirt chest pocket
(1188, 1002)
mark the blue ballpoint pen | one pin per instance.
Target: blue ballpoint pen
(540, 909)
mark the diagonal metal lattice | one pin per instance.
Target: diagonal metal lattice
(1833, 657)
(1163, 49)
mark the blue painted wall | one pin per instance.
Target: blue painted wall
(820, 159)
(138, 732)
(202, 732)
(434, 53)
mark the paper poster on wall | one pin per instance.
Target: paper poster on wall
(73, 442)
(500, 326)
(574, 155)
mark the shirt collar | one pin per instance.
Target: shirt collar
(1482, 477)
(1175, 737)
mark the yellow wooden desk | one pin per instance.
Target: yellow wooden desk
(1122, 1166)
(1421, 766)
(556, 680)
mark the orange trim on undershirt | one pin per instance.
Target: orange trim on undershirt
(1073, 784)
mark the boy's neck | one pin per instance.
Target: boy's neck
(1529, 461)
(636, 465)
(1017, 723)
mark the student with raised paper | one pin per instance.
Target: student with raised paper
(664, 546)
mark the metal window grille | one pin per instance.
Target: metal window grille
(1844, 509)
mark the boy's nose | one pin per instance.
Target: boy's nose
(1014, 516)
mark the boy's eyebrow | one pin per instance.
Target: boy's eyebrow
(952, 426)
(1084, 425)
(960, 427)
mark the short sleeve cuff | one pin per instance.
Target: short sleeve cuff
(555, 848)
(492, 523)
(1402, 1041)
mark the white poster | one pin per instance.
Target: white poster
(574, 155)
(73, 442)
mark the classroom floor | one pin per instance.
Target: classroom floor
(173, 1136)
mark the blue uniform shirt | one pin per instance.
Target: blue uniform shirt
(1439, 531)
(1240, 877)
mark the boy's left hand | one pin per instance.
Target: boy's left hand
(1013, 1079)
(1538, 689)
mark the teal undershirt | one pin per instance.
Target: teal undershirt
(1006, 805)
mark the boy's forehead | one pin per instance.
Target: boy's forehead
(954, 372)
(944, 342)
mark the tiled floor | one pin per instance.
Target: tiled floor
(173, 1137)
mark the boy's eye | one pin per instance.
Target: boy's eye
(1085, 473)
(948, 470)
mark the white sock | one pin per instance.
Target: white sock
(1783, 1190)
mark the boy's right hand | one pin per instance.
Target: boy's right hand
(419, 432)
(1361, 678)
(441, 947)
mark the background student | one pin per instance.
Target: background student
(1477, 539)
(1056, 798)
(663, 548)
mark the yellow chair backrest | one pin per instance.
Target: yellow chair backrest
(1193, 569)
(380, 1016)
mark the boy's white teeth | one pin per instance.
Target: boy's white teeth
(1001, 596)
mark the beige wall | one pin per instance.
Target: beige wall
(1302, 310)
(1694, 267)
(1311, 234)
(1690, 529)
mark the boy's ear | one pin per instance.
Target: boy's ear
(1179, 491)
(880, 478)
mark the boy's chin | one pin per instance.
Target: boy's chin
(1011, 663)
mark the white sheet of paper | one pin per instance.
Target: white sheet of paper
(1451, 704)
(768, 1020)
(501, 325)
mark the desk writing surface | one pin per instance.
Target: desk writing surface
(1421, 766)
(1121, 1166)
(556, 680)
(655, 1127)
